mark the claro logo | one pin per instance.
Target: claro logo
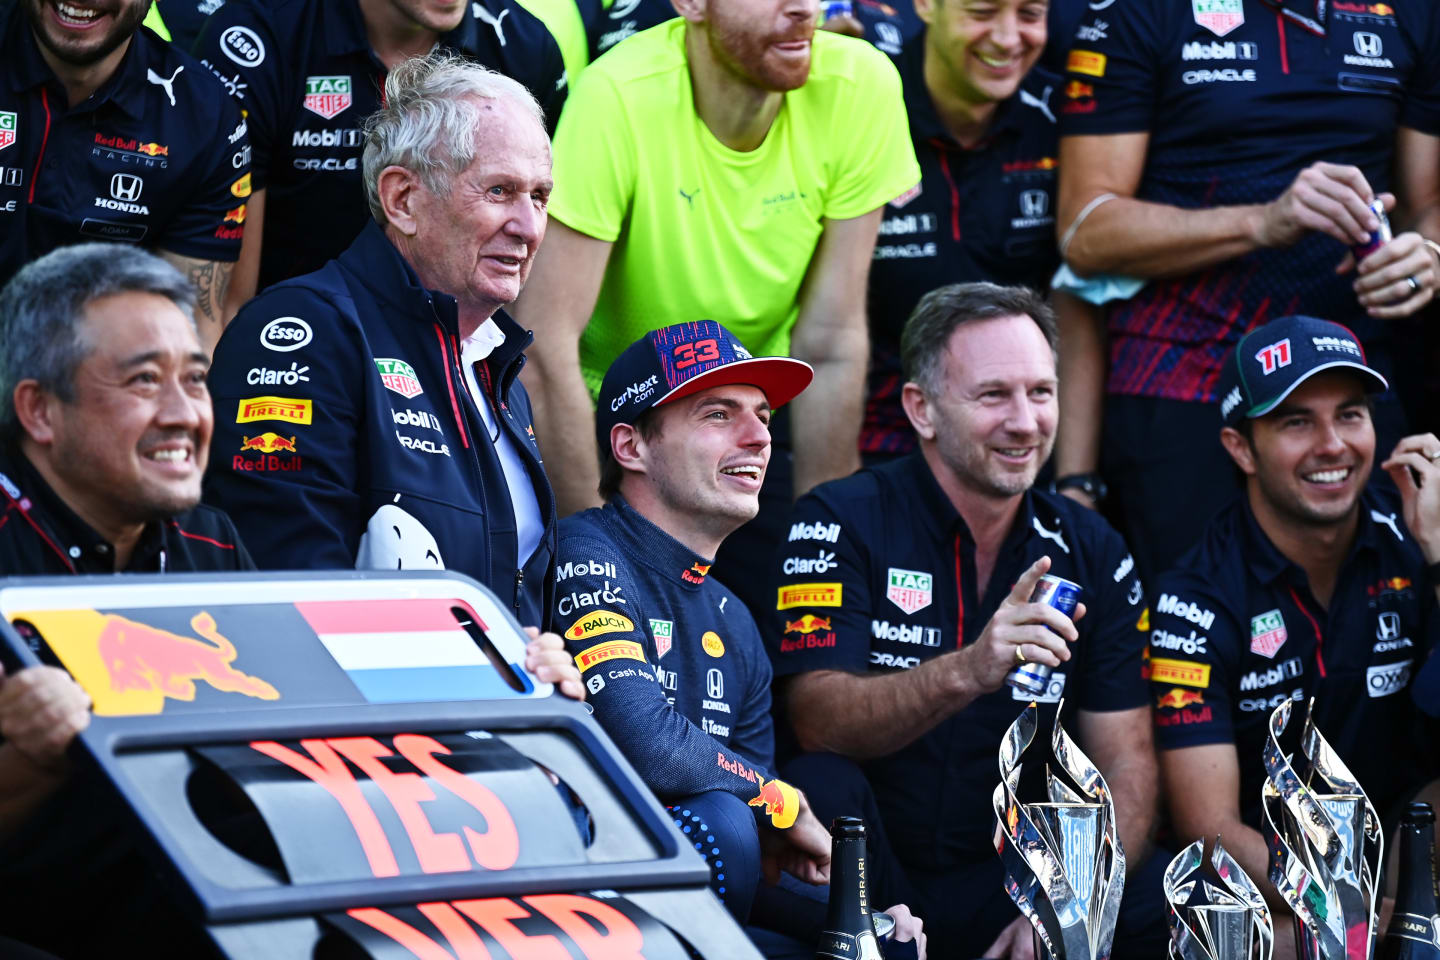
(284, 334)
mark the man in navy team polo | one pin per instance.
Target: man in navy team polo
(902, 603)
(1314, 582)
(982, 119)
(308, 72)
(1222, 152)
(109, 133)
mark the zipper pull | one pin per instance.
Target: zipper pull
(519, 581)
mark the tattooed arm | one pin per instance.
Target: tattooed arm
(210, 278)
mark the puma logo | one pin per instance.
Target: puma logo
(160, 81)
(1389, 521)
(1051, 535)
(1041, 103)
(690, 197)
(493, 20)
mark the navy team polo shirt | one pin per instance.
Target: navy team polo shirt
(1235, 632)
(878, 575)
(1239, 96)
(984, 213)
(157, 156)
(304, 72)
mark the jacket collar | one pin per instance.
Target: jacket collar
(377, 265)
(655, 548)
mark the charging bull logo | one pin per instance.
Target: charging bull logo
(1177, 698)
(268, 443)
(131, 668)
(780, 800)
(807, 624)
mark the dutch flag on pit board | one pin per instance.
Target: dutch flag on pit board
(403, 651)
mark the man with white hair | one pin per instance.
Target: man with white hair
(368, 414)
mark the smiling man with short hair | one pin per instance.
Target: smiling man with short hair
(104, 432)
(672, 661)
(903, 603)
(1312, 583)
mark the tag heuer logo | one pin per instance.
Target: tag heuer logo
(663, 632)
(399, 376)
(1267, 634)
(7, 128)
(1219, 16)
(910, 590)
(328, 96)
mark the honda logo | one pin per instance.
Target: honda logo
(714, 684)
(1368, 44)
(1034, 203)
(1389, 628)
(126, 187)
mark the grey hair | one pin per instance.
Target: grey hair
(938, 314)
(42, 306)
(433, 112)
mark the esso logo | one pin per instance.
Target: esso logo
(243, 45)
(284, 334)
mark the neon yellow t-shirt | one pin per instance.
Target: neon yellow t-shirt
(701, 231)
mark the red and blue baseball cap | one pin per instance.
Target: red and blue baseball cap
(683, 359)
(1272, 360)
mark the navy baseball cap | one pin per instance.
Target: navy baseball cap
(683, 359)
(1272, 360)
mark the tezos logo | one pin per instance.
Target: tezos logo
(284, 334)
(243, 45)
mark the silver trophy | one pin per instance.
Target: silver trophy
(1216, 911)
(1326, 844)
(1063, 864)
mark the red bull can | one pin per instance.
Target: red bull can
(1062, 594)
(1378, 238)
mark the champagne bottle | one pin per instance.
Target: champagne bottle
(849, 929)
(1414, 931)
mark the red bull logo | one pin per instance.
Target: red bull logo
(807, 624)
(1076, 90)
(781, 802)
(142, 657)
(131, 668)
(268, 443)
(235, 216)
(1177, 699)
(153, 150)
(696, 573)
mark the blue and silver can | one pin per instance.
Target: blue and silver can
(1378, 238)
(836, 8)
(1062, 594)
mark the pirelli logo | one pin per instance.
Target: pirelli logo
(1087, 62)
(274, 408)
(1184, 672)
(613, 650)
(809, 595)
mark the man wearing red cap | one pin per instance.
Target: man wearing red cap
(672, 661)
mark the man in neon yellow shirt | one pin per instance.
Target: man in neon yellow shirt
(729, 165)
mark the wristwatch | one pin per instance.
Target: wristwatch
(1089, 484)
